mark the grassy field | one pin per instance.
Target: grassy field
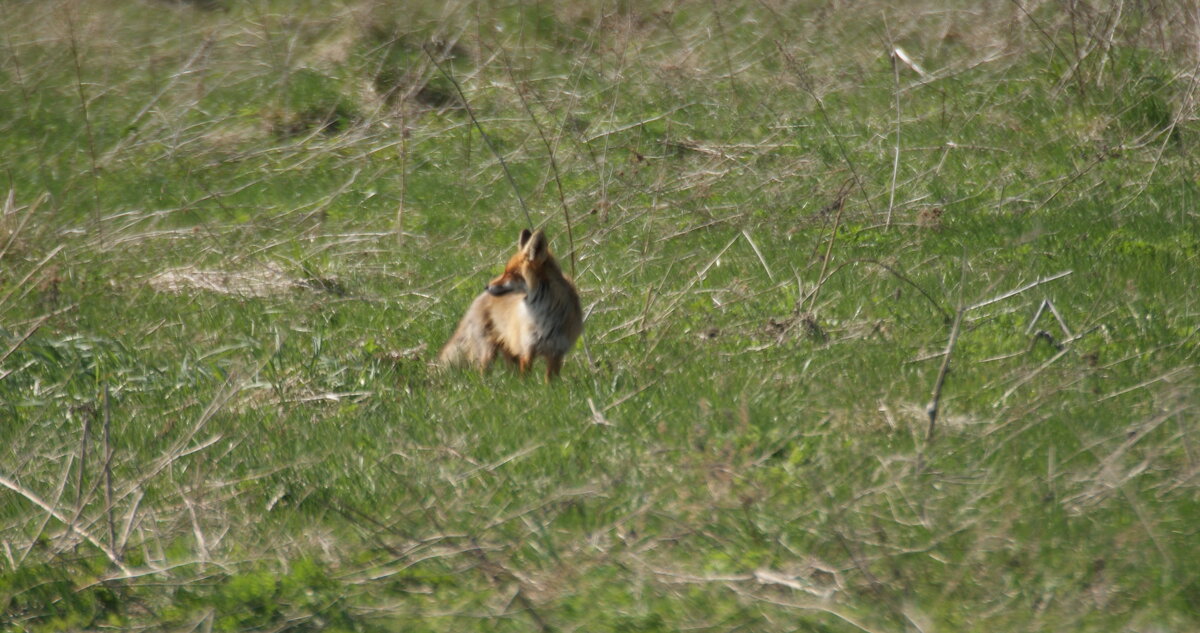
(892, 316)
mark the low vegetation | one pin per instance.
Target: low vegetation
(891, 316)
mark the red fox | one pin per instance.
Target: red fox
(531, 310)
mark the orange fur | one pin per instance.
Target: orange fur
(529, 311)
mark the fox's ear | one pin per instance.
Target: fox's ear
(535, 246)
(525, 234)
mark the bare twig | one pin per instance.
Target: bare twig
(806, 84)
(935, 398)
(108, 455)
(819, 606)
(1033, 374)
(28, 333)
(763, 260)
(37, 501)
(902, 277)
(83, 455)
(403, 195)
(1168, 134)
(483, 133)
(896, 55)
(630, 126)
(10, 208)
(63, 479)
(837, 223)
(1048, 305)
(562, 199)
(87, 120)
(1146, 383)
(495, 572)
(184, 71)
(1045, 35)
(699, 276)
(1017, 291)
(31, 273)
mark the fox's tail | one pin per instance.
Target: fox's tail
(454, 353)
(470, 344)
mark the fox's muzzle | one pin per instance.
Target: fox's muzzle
(498, 290)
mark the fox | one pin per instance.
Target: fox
(530, 311)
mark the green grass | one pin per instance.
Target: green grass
(238, 233)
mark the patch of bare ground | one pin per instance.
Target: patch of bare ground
(265, 281)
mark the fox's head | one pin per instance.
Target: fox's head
(524, 268)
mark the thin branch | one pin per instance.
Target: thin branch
(87, 123)
(28, 333)
(562, 199)
(37, 501)
(1012, 293)
(837, 223)
(935, 399)
(946, 314)
(486, 139)
(936, 396)
(763, 260)
(806, 85)
(896, 54)
(630, 126)
(108, 456)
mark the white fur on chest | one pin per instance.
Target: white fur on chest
(538, 333)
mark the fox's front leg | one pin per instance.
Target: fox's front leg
(524, 363)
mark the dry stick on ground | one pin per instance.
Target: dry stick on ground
(184, 71)
(32, 271)
(898, 275)
(28, 333)
(10, 208)
(486, 139)
(403, 172)
(108, 455)
(562, 200)
(87, 121)
(1047, 37)
(81, 479)
(811, 298)
(494, 571)
(806, 85)
(1167, 133)
(36, 535)
(36, 500)
(896, 150)
(180, 448)
(936, 397)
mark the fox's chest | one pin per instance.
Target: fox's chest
(537, 321)
(544, 323)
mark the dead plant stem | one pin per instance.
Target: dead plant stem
(806, 85)
(896, 149)
(37, 501)
(837, 223)
(108, 456)
(87, 122)
(483, 133)
(562, 199)
(936, 397)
